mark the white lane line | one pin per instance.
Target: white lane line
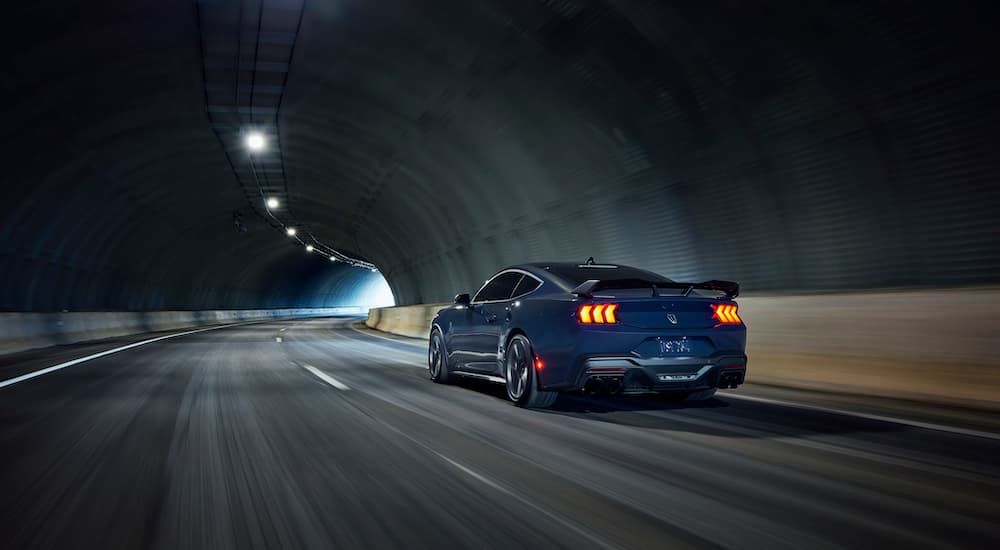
(283, 330)
(53, 368)
(572, 525)
(474, 474)
(326, 378)
(277, 339)
(867, 416)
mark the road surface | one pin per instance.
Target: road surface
(313, 434)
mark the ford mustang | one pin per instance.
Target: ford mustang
(545, 328)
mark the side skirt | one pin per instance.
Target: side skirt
(477, 376)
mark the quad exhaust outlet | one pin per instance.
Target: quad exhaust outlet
(603, 384)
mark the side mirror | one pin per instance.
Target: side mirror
(462, 299)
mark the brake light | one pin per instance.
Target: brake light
(609, 313)
(726, 314)
(600, 314)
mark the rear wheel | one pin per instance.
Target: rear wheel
(520, 377)
(437, 359)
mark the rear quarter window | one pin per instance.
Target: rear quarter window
(526, 285)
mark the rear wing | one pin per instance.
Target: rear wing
(588, 288)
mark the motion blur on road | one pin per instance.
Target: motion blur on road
(226, 225)
(334, 437)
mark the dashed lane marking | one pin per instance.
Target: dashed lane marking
(326, 378)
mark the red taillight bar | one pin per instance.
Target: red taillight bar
(598, 314)
(726, 314)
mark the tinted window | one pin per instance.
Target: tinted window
(576, 275)
(526, 285)
(499, 288)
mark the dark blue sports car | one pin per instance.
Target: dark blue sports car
(546, 328)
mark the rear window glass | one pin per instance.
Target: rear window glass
(575, 275)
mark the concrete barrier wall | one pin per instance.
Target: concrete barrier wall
(934, 346)
(21, 331)
(412, 321)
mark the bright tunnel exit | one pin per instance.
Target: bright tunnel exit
(346, 286)
(374, 291)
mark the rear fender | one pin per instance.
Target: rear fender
(551, 327)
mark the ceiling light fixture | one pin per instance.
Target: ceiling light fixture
(255, 142)
(273, 203)
(291, 231)
(309, 248)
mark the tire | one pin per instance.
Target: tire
(701, 395)
(520, 378)
(437, 359)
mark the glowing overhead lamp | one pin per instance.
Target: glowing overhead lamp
(273, 203)
(255, 142)
(291, 231)
(309, 248)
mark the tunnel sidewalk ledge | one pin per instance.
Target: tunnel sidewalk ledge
(924, 346)
(25, 331)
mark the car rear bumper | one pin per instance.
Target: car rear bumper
(678, 374)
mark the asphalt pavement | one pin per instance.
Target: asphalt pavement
(314, 434)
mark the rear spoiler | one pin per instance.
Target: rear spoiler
(587, 289)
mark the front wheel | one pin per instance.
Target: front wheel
(521, 378)
(437, 359)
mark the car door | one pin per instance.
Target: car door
(487, 311)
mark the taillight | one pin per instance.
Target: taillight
(726, 314)
(609, 314)
(598, 314)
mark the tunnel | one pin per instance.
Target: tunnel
(639, 133)
(169, 166)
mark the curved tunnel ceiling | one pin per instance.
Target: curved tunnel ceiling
(809, 147)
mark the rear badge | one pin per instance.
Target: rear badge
(676, 377)
(672, 318)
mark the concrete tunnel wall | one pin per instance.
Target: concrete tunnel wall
(792, 147)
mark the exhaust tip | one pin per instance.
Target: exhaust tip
(614, 385)
(593, 385)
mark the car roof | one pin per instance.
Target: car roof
(544, 267)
